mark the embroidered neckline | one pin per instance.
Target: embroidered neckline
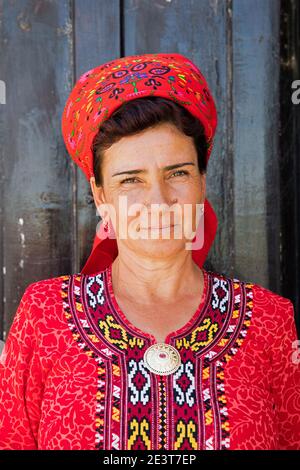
(122, 318)
(226, 308)
(137, 394)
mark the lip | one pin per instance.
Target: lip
(158, 228)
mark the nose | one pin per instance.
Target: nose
(160, 194)
(158, 201)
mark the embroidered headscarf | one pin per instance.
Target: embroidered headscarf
(101, 90)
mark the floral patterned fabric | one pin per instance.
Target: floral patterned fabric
(72, 374)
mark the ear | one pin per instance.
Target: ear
(98, 194)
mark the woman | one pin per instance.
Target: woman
(145, 349)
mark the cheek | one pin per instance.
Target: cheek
(126, 209)
(189, 193)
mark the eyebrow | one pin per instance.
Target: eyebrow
(169, 167)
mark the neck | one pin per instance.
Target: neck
(159, 279)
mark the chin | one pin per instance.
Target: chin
(161, 248)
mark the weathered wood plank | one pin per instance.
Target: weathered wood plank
(97, 40)
(289, 151)
(256, 123)
(36, 65)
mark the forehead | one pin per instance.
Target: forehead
(163, 144)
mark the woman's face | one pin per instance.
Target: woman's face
(149, 173)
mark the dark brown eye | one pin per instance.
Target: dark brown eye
(182, 172)
(128, 180)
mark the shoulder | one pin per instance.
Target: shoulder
(43, 294)
(42, 302)
(272, 315)
(275, 311)
(48, 285)
(40, 316)
(262, 296)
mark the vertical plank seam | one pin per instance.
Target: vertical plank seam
(2, 180)
(230, 130)
(75, 265)
(122, 28)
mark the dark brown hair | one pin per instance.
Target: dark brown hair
(136, 115)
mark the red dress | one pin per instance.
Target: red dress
(72, 374)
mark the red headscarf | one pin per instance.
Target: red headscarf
(101, 90)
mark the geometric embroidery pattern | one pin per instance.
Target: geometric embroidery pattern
(186, 410)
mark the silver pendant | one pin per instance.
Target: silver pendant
(162, 359)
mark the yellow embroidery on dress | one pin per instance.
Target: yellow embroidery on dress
(211, 329)
(236, 313)
(223, 341)
(186, 430)
(99, 395)
(94, 338)
(106, 326)
(222, 399)
(115, 414)
(116, 370)
(135, 341)
(208, 417)
(220, 374)
(225, 426)
(139, 430)
(205, 373)
(99, 422)
(190, 342)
